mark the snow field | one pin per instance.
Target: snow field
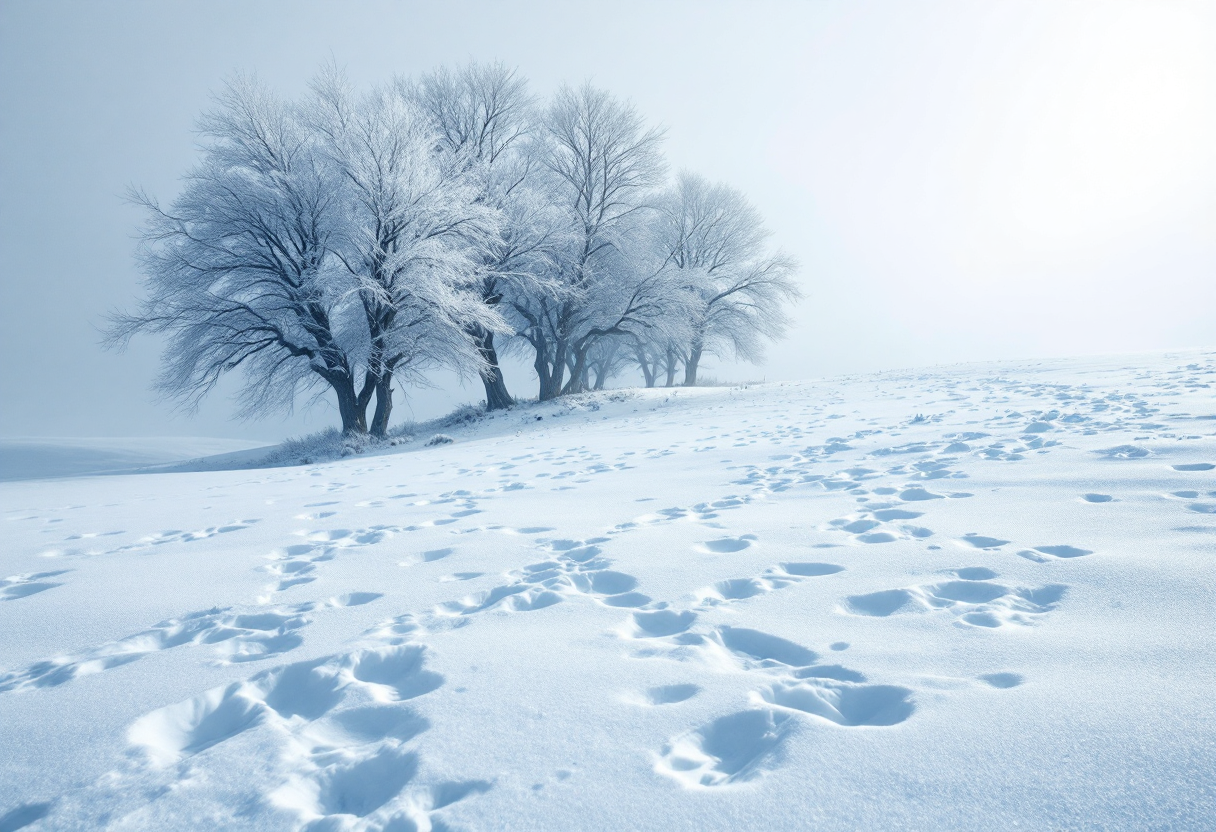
(973, 597)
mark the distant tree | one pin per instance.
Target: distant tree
(239, 271)
(605, 360)
(646, 358)
(717, 240)
(415, 232)
(659, 359)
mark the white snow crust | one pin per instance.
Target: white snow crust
(976, 597)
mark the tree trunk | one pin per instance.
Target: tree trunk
(497, 397)
(690, 366)
(578, 373)
(671, 367)
(644, 363)
(364, 397)
(384, 407)
(551, 381)
(354, 417)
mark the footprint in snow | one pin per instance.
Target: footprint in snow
(663, 695)
(727, 545)
(978, 603)
(514, 597)
(810, 570)
(776, 577)
(309, 690)
(733, 748)
(1124, 452)
(358, 788)
(658, 623)
(294, 565)
(1003, 680)
(344, 713)
(671, 694)
(577, 569)
(758, 646)
(842, 703)
(918, 495)
(355, 599)
(979, 541)
(91, 535)
(178, 536)
(736, 589)
(24, 815)
(740, 746)
(1043, 554)
(460, 576)
(239, 637)
(428, 557)
(23, 586)
(974, 573)
(880, 604)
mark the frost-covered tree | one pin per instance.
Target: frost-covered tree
(483, 115)
(600, 163)
(414, 232)
(659, 355)
(239, 270)
(605, 360)
(357, 240)
(718, 241)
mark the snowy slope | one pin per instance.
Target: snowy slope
(978, 597)
(25, 458)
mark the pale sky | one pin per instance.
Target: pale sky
(961, 181)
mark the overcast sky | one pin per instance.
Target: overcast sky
(960, 181)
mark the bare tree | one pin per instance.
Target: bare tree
(659, 354)
(239, 271)
(606, 359)
(647, 360)
(483, 114)
(413, 233)
(718, 241)
(355, 240)
(601, 162)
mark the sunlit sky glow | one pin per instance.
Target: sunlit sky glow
(961, 181)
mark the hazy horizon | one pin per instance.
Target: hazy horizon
(960, 182)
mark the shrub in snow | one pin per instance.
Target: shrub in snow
(321, 447)
(440, 439)
(308, 449)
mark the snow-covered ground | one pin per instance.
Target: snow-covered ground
(978, 597)
(25, 458)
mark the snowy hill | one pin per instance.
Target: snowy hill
(965, 598)
(39, 457)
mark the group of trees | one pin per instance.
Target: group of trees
(349, 241)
